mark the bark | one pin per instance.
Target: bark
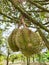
(28, 60)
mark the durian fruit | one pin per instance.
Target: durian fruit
(28, 42)
(11, 41)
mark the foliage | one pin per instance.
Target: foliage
(34, 12)
(1, 59)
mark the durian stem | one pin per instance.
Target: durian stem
(28, 60)
(22, 20)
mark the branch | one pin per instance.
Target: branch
(46, 23)
(25, 14)
(6, 15)
(41, 1)
(13, 19)
(35, 11)
(6, 21)
(44, 3)
(38, 5)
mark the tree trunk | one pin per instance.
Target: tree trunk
(39, 57)
(28, 60)
(33, 58)
(7, 58)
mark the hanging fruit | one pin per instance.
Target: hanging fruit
(28, 42)
(11, 41)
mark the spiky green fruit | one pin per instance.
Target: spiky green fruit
(11, 41)
(28, 42)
